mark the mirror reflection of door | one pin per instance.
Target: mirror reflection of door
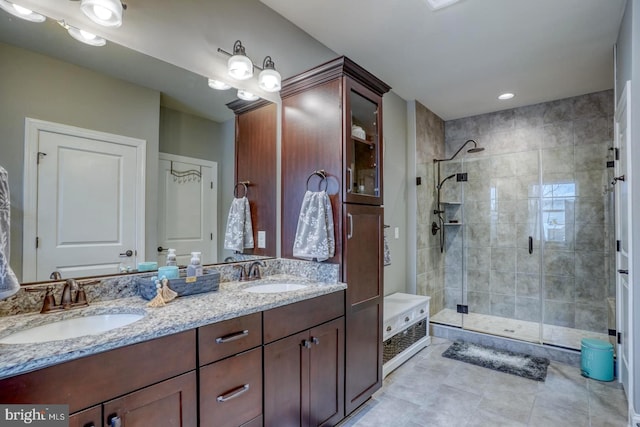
(187, 214)
(87, 215)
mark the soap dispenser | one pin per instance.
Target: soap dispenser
(195, 267)
(171, 258)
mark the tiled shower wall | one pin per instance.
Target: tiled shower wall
(430, 262)
(568, 278)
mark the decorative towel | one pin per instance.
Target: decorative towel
(387, 252)
(239, 234)
(9, 284)
(315, 234)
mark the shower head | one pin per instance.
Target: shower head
(475, 149)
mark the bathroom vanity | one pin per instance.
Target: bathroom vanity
(200, 360)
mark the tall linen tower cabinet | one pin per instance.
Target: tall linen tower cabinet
(332, 122)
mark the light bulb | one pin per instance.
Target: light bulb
(240, 67)
(102, 12)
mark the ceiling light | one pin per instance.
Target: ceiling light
(239, 65)
(439, 4)
(83, 36)
(21, 12)
(107, 13)
(506, 96)
(247, 96)
(218, 85)
(269, 79)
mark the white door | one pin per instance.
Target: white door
(88, 199)
(623, 235)
(187, 215)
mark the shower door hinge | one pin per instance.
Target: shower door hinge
(617, 245)
(37, 242)
(611, 163)
(616, 152)
(418, 180)
(464, 309)
(461, 177)
(619, 337)
(612, 332)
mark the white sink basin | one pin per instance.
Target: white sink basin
(274, 288)
(71, 328)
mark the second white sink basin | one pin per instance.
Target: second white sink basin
(71, 328)
(274, 288)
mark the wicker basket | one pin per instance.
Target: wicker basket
(208, 282)
(403, 340)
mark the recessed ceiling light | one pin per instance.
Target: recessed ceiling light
(505, 96)
(218, 85)
(439, 4)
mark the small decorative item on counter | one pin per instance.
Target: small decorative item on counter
(147, 266)
(170, 272)
(157, 301)
(167, 293)
(208, 282)
(171, 258)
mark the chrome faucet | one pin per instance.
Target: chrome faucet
(253, 273)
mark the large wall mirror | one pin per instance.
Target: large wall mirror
(62, 93)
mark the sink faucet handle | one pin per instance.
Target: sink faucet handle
(55, 275)
(243, 272)
(254, 269)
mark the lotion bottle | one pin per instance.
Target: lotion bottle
(171, 258)
(195, 267)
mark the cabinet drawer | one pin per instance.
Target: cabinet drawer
(231, 390)
(289, 319)
(229, 337)
(91, 417)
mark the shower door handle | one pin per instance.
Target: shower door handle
(350, 218)
(623, 271)
(530, 244)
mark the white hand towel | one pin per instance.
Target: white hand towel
(315, 233)
(239, 234)
(9, 284)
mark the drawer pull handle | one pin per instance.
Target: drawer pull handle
(233, 393)
(115, 421)
(306, 343)
(406, 319)
(388, 328)
(232, 337)
(315, 340)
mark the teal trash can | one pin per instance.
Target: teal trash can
(597, 359)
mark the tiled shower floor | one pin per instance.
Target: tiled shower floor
(517, 329)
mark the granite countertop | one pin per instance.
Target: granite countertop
(182, 314)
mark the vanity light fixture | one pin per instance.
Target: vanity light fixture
(107, 13)
(247, 96)
(505, 96)
(269, 79)
(218, 85)
(83, 36)
(239, 65)
(21, 11)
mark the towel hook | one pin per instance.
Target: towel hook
(245, 185)
(323, 177)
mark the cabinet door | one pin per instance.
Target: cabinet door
(284, 383)
(363, 140)
(363, 371)
(231, 390)
(363, 253)
(326, 374)
(91, 417)
(170, 403)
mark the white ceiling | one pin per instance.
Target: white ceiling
(457, 60)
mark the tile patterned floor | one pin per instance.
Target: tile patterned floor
(518, 329)
(430, 390)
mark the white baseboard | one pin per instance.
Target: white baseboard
(392, 364)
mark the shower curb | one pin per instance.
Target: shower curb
(557, 354)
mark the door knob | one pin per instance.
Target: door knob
(127, 253)
(623, 271)
(161, 249)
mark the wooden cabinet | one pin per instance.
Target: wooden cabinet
(255, 156)
(91, 417)
(332, 120)
(170, 403)
(231, 386)
(304, 371)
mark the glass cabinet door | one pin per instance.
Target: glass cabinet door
(363, 153)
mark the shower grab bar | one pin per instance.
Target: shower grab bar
(530, 244)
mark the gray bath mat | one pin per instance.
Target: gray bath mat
(534, 368)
